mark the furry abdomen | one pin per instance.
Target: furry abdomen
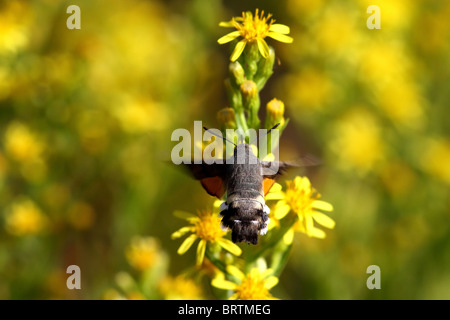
(245, 201)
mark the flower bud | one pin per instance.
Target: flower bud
(274, 113)
(227, 118)
(250, 97)
(237, 73)
(249, 91)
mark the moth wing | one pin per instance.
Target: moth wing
(214, 186)
(267, 185)
(211, 177)
(272, 170)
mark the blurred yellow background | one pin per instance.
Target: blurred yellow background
(86, 118)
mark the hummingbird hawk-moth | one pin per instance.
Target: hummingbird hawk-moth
(246, 180)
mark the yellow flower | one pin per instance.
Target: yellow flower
(358, 142)
(274, 113)
(180, 288)
(206, 227)
(140, 115)
(21, 144)
(15, 23)
(275, 108)
(402, 103)
(254, 285)
(310, 89)
(254, 29)
(302, 199)
(142, 253)
(24, 218)
(227, 118)
(336, 31)
(435, 158)
(27, 148)
(249, 90)
(274, 194)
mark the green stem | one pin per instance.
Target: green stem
(275, 238)
(253, 120)
(215, 261)
(242, 120)
(280, 258)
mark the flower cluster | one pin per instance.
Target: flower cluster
(248, 278)
(85, 117)
(253, 29)
(206, 227)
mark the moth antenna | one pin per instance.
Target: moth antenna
(273, 128)
(206, 129)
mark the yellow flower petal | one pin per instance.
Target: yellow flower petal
(288, 237)
(181, 232)
(270, 282)
(201, 251)
(217, 203)
(229, 246)
(240, 46)
(275, 192)
(229, 37)
(299, 226)
(263, 47)
(302, 183)
(265, 273)
(279, 28)
(276, 187)
(309, 223)
(280, 37)
(227, 24)
(187, 243)
(274, 195)
(316, 233)
(234, 271)
(231, 23)
(323, 219)
(234, 297)
(322, 205)
(221, 283)
(184, 215)
(281, 209)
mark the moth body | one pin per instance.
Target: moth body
(246, 180)
(245, 206)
